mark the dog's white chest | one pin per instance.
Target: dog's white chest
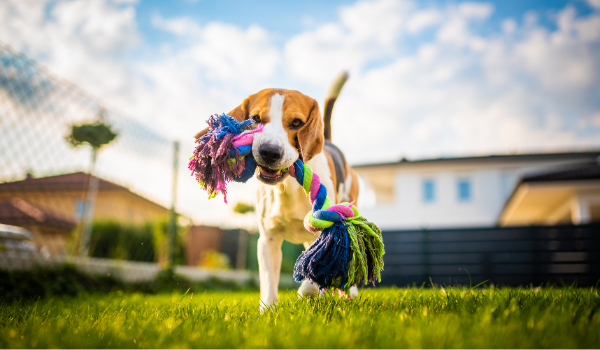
(282, 208)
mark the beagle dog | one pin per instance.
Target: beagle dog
(293, 128)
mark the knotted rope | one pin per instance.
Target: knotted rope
(349, 249)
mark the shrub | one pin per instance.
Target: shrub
(44, 282)
(114, 240)
(213, 259)
(147, 242)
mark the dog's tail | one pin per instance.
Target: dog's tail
(332, 95)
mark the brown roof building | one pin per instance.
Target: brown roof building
(51, 207)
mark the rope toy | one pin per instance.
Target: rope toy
(349, 249)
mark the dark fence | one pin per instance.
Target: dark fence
(503, 255)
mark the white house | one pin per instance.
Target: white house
(457, 192)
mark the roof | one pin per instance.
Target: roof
(17, 211)
(567, 175)
(74, 181)
(589, 171)
(592, 155)
(67, 182)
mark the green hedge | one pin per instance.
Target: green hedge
(146, 242)
(67, 280)
(44, 282)
(114, 240)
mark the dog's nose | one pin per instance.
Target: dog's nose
(269, 153)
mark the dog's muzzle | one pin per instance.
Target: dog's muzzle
(268, 164)
(270, 154)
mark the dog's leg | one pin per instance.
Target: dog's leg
(269, 266)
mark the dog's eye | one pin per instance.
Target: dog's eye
(297, 123)
(256, 118)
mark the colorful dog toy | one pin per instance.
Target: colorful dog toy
(349, 249)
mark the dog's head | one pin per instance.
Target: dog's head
(293, 128)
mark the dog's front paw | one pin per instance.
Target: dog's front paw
(353, 292)
(266, 305)
(307, 289)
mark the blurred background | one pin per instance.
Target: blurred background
(475, 127)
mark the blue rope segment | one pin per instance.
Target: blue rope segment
(300, 178)
(249, 169)
(225, 124)
(244, 151)
(321, 197)
(326, 261)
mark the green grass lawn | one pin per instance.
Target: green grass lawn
(380, 318)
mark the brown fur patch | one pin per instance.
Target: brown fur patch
(332, 171)
(353, 194)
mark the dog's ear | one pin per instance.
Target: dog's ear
(241, 112)
(311, 135)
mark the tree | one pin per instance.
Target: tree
(95, 135)
(243, 208)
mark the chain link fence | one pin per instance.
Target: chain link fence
(45, 184)
(47, 195)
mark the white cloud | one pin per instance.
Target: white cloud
(179, 26)
(80, 40)
(366, 30)
(594, 3)
(423, 19)
(509, 26)
(475, 10)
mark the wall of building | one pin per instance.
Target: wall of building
(127, 207)
(201, 239)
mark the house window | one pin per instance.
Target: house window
(464, 190)
(428, 190)
(79, 209)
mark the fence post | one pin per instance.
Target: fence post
(536, 278)
(425, 255)
(242, 249)
(172, 225)
(88, 213)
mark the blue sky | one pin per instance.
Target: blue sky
(287, 18)
(427, 78)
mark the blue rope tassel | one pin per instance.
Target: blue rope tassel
(326, 261)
